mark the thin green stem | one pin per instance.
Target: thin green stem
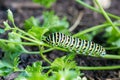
(111, 48)
(107, 17)
(48, 50)
(49, 71)
(46, 67)
(41, 54)
(90, 29)
(94, 68)
(34, 41)
(96, 10)
(37, 52)
(62, 49)
(24, 43)
(14, 25)
(109, 56)
(99, 68)
(31, 52)
(40, 43)
(93, 29)
(58, 48)
(26, 33)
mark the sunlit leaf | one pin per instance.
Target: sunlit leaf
(63, 63)
(54, 24)
(38, 32)
(31, 22)
(46, 3)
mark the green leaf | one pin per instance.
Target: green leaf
(33, 72)
(116, 43)
(65, 75)
(46, 3)
(51, 23)
(5, 71)
(31, 22)
(54, 24)
(10, 15)
(36, 67)
(12, 51)
(5, 68)
(12, 46)
(37, 32)
(4, 64)
(112, 38)
(63, 63)
(3, 46)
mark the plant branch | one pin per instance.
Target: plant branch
(94, 28)
(37, 42)
(41, 54)
(111, 48)
(109, 56)
(58, 48)
(25, 33)
(96, 10)
(99, 68)
(107, 17)
(37, 52)
(90, 29)
(76, 22)
(24, 43)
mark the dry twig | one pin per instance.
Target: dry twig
(77, 21)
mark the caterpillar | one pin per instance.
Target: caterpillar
(75, 44)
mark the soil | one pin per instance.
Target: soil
(71, 10)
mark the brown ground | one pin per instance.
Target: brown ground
(71, 10)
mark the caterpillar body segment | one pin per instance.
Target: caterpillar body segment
(75, 44)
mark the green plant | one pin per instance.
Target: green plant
(112, 32)
(60, 69)
(46, 3)
(34, 34)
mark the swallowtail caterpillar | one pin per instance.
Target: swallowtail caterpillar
(75, 44)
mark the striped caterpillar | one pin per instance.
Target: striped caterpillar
(75, 44)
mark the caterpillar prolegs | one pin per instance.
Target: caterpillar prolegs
(75, 44)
